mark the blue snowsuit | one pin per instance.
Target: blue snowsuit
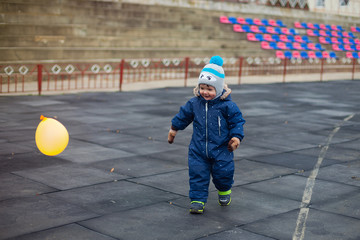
(215, 122)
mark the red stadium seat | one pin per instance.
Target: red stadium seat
(285, 31)
(298, 38)
(353, 29)
(311, 54)
(310, 32)
(323, 33)
(296, 54)
(335, 47)
(281, 45)
(241, 20)
(270, 30)
(237, 28)
(298, 25)
(284, 38)
(357, 47)
(297, 46)
(251, 37)
(272, 22)
(334, 40)
(347, 47)
(265, 45)
(349, 55)
(325, 54)
(254, 29)
(311, 46)
(224, 19)
(334, 34)
(280, 54)
(257, 21)
(357, 41)
(322, 26)
(346, 41)
(345, 34)
(310, 25)
(268, 37)
(333, 27)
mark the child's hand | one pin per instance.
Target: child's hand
(171, 136)
(233, 144)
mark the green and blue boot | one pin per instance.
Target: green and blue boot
(224, 198)
(197, 207)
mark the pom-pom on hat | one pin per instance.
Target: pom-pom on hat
(213, 75)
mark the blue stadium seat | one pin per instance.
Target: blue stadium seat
(289, 45)
(273, 45)
(351, 35)
(276, 38)
(292, 31)
(304, 54)
(233, 20)
(277, 30)
(319, 47)
(246, 28)
(291, 38)
(305, 38)
(355, 55)
(288, 54)
(249, 21)
(265, 22)
(318, 54)
(304, 25)
(262, 29)
(304, 46)
(259, 37)
(332, 55)
(280, 23)
(316, 25)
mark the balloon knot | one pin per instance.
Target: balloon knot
(42, 117)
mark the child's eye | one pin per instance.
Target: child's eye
(202, 75)
(209, 77)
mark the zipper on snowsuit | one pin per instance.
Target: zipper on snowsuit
(219, 121)
(206, 129)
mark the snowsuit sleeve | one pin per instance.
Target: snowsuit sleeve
(184, 117)
(235, 122)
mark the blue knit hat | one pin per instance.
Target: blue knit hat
(213, 75)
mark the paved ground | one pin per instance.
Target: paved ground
(291, 130)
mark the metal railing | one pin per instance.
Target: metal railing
(99, 75)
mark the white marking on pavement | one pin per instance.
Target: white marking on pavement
(299, 233)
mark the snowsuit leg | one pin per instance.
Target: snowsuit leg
(223, 174)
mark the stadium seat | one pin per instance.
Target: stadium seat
(283, 38)
(311, 46)
(237, 28)
(277, 30)
(233, 20)
(285, 31)
(298, 38)
(351, 35)
(265, 45)
(304, 25)
(241, 20)
(346, 41)
(268, 37)
(357, 41)
(257, 21)
(332, 55)
(297, 46)
(291, 38)
(273, 45)
(280, 54)
(280, 23)
(340, 28)
(318, 55)
(340, 34)
(335, 47)
(288, 54)
(310, 25)
(251, 37)
(325, 54)
(323, 33)
(270, 30)
(265, 22)
(328, 27)
(319, 47)
(249, 21)
(262, 29)
(353, 29)
(333, 27)
(334, 34)
(292, 31)
(349, 55)
(259, 37)
(340, 40)
(298, 25)
(311, 54)
(289, 45)
(296, 54)
(353, 47)
(276, 38)
(272, 22)
(305, 39)
(316, 26)
(334, 40)
(355, 55)
(304, 46)
(304, 54)
(357, 47)
(352, 41)
(246, 28)
(323, 40)
(347, 47)
(311, 33)
(281, 45)
(254, 29)
(224, 19)
(322, 26)
(328, 33)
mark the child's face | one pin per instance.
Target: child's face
(207, 92)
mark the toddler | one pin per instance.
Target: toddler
(217, 132)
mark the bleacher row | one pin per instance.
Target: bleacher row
(274, 35)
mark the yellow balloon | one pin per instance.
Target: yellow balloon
(51, 136)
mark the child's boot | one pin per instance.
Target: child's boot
(197, 207)
(224, 198)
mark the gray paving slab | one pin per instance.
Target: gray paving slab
(320, 226)
(69, 176)
(20, 216)
(120, 179)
